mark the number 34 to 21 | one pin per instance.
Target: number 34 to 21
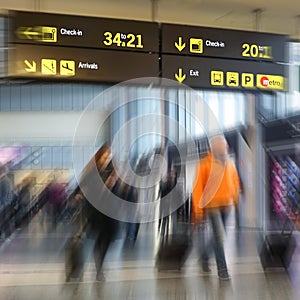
(129, 40)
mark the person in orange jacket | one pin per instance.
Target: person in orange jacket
(215, 191)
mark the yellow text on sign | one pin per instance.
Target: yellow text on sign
(67, 67)
(216, 78)
(48, 66)
(232, 79)
(196, 45)
(271, 82)
(247, 80)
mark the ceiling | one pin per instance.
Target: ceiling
(274, 16)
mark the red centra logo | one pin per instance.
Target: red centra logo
(264, 81)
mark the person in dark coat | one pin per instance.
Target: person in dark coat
(100, 227)
(164, 189)
(24, 201)
(6, 191)
(129, 193)
(55, 196)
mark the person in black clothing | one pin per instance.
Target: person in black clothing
(101, 228)
(6, 189)
(129, 193)
(5, 186)
(24, 201)
(164, 189)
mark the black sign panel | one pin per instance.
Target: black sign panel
(85, 32)
(217, 42)
(34, 61)
(224, 73)
(44, 45)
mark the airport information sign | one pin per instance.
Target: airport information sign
(31, 61)
(224, 43)
(220, 73)
(54, 46)
(204, 57)
(64, 47)
(84, 32)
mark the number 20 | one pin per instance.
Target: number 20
(250, 50)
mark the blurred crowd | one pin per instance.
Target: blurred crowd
(20, 202)
(82, 204)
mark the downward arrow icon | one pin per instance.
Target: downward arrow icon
(180, 78)
(180, 46)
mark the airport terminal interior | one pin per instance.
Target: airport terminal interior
(153, 81)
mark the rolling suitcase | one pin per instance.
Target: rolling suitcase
(173, 252)
(74, 258)
(174, 247)
(74, 250)
(277, 249)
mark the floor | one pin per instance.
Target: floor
(32, 267)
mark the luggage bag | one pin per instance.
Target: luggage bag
(173, 252)
(74, 258)
(175, 247)
(74, 249)
(277, 249)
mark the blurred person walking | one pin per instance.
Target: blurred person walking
(215, 192)
(6, 186)
(130, 194)
(6, 192)
(98, 226)
(165, 187)
(55, 197)
(24, 198)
